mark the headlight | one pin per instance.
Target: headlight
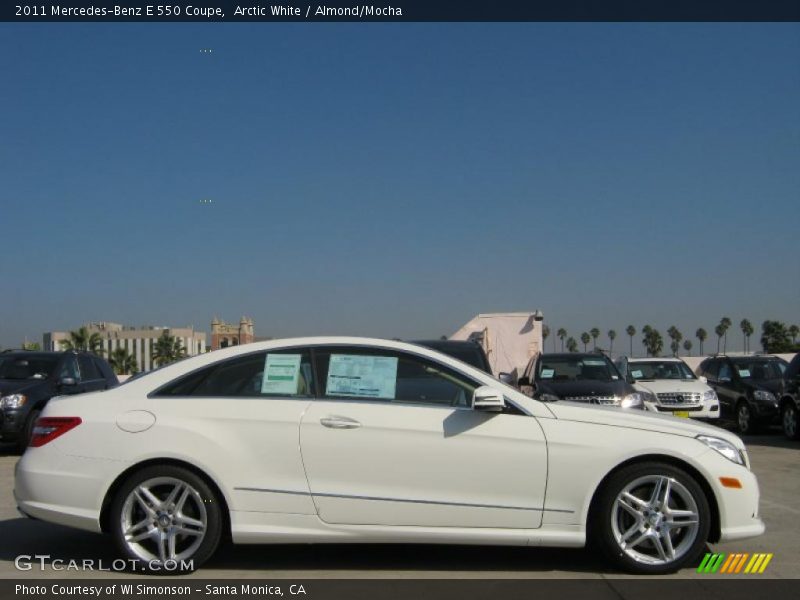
(710, 396)
(649, 397)
(764, 396)
(633, 400)
(549, 398)
(727, 449)
(13, 401)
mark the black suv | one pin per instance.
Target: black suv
(790, 400)
(28, 379)
(747, 387)
(578, 377)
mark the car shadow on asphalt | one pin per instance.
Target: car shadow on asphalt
(31, 538)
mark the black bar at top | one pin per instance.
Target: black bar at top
(405, 11)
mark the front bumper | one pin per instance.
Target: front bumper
(11, 423)
(706, 410)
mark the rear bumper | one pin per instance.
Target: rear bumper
(62, 489)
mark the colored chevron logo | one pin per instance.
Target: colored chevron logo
(736, 563)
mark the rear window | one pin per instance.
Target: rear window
(27, 367)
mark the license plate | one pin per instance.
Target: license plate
(681, 413)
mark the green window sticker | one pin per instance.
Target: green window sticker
(281, 372)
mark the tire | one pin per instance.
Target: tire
(745, 423)
(27, 431)
(170, 514)
(790, 420)
(630, 532)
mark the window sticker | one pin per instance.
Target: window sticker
(744, 372)
(637, 374)
(281, 372)
(615, 377)
(594, 362)
(362, 376)
(548, 373)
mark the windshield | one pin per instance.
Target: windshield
(567, 368)
(667, 369)
(760, 370)
(34, 367)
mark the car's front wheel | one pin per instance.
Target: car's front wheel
(744, 418)
(789, 419)
(166, 519)
(651, 518)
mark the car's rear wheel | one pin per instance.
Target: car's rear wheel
(166, 518)
(744, 418)
(651, 518)
(789, 419)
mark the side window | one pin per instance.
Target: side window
(725, 372)
(282, 373)
(103, 368)
(709, 368)
(88, 369)
(69, 368)
(389, 376)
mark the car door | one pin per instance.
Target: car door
(392, 440)
(92, 380)
(726, 388)
(244, 412)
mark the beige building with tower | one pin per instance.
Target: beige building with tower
(138, 341)
(225, 334)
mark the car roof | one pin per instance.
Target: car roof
(572, 355)
(446, 343)
(656, 359)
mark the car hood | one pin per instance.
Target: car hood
(18, 386)
(638, 419)
(587, 387)
(658, 386)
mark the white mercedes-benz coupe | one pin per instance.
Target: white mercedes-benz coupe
(338, 440)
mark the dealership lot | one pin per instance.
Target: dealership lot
(775, 460)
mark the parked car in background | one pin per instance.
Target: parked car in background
(668, 385)
(343, 440)
(578, 377)
(464, 350)
(790, 400)
(29, 379)
(748, 388)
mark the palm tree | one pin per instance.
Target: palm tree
(794, 331)
(631, 331)
(83, 340)
(167, 349)
(747, 330)
(572, 345)
(726, 324)
(123, 362)
(611, 337)
(676, 336)
(775, 337)
(653, 341)
(687, 345)
(561, 333)
(720, 331)
(585, 337)
(701, 334)
(595, 333)
(545, 335)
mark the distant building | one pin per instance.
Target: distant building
(138, 341)
(224, 334)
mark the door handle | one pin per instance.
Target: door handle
(335, 422)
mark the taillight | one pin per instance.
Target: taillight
(47, 429)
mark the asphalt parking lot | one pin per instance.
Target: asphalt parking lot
(775, 460)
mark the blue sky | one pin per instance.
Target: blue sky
(394, 180)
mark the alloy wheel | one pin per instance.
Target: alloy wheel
(790, 421)
(163, 519)
(743, 418)
(655, 520)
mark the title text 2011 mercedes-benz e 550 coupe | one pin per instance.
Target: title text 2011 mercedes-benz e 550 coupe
(361, 440)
